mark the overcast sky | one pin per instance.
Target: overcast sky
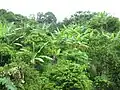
(61, 8)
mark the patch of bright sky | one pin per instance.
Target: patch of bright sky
(61, 8)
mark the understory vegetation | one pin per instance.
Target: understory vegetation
(80, 53)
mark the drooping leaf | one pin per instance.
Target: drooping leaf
(39, 59)
(49, 58)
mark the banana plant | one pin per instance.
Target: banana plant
(35, 56)
(3, 30)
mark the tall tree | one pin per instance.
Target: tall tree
(40, 17)
(50, 17)
(46, 18)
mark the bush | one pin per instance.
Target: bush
(66, 76)
(103, 21)
(103, 53)
(22, 76)
(6, 54)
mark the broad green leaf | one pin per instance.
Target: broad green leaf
(49, 58)
(39, 59)
(58, 52)
(18, 44)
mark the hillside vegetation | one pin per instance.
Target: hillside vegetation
(80, 53)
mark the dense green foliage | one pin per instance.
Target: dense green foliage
(80, 53)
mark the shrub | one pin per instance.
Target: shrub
(22, 75)
(103, 53)
(66, 76)
(103, 21)
(6, 54)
